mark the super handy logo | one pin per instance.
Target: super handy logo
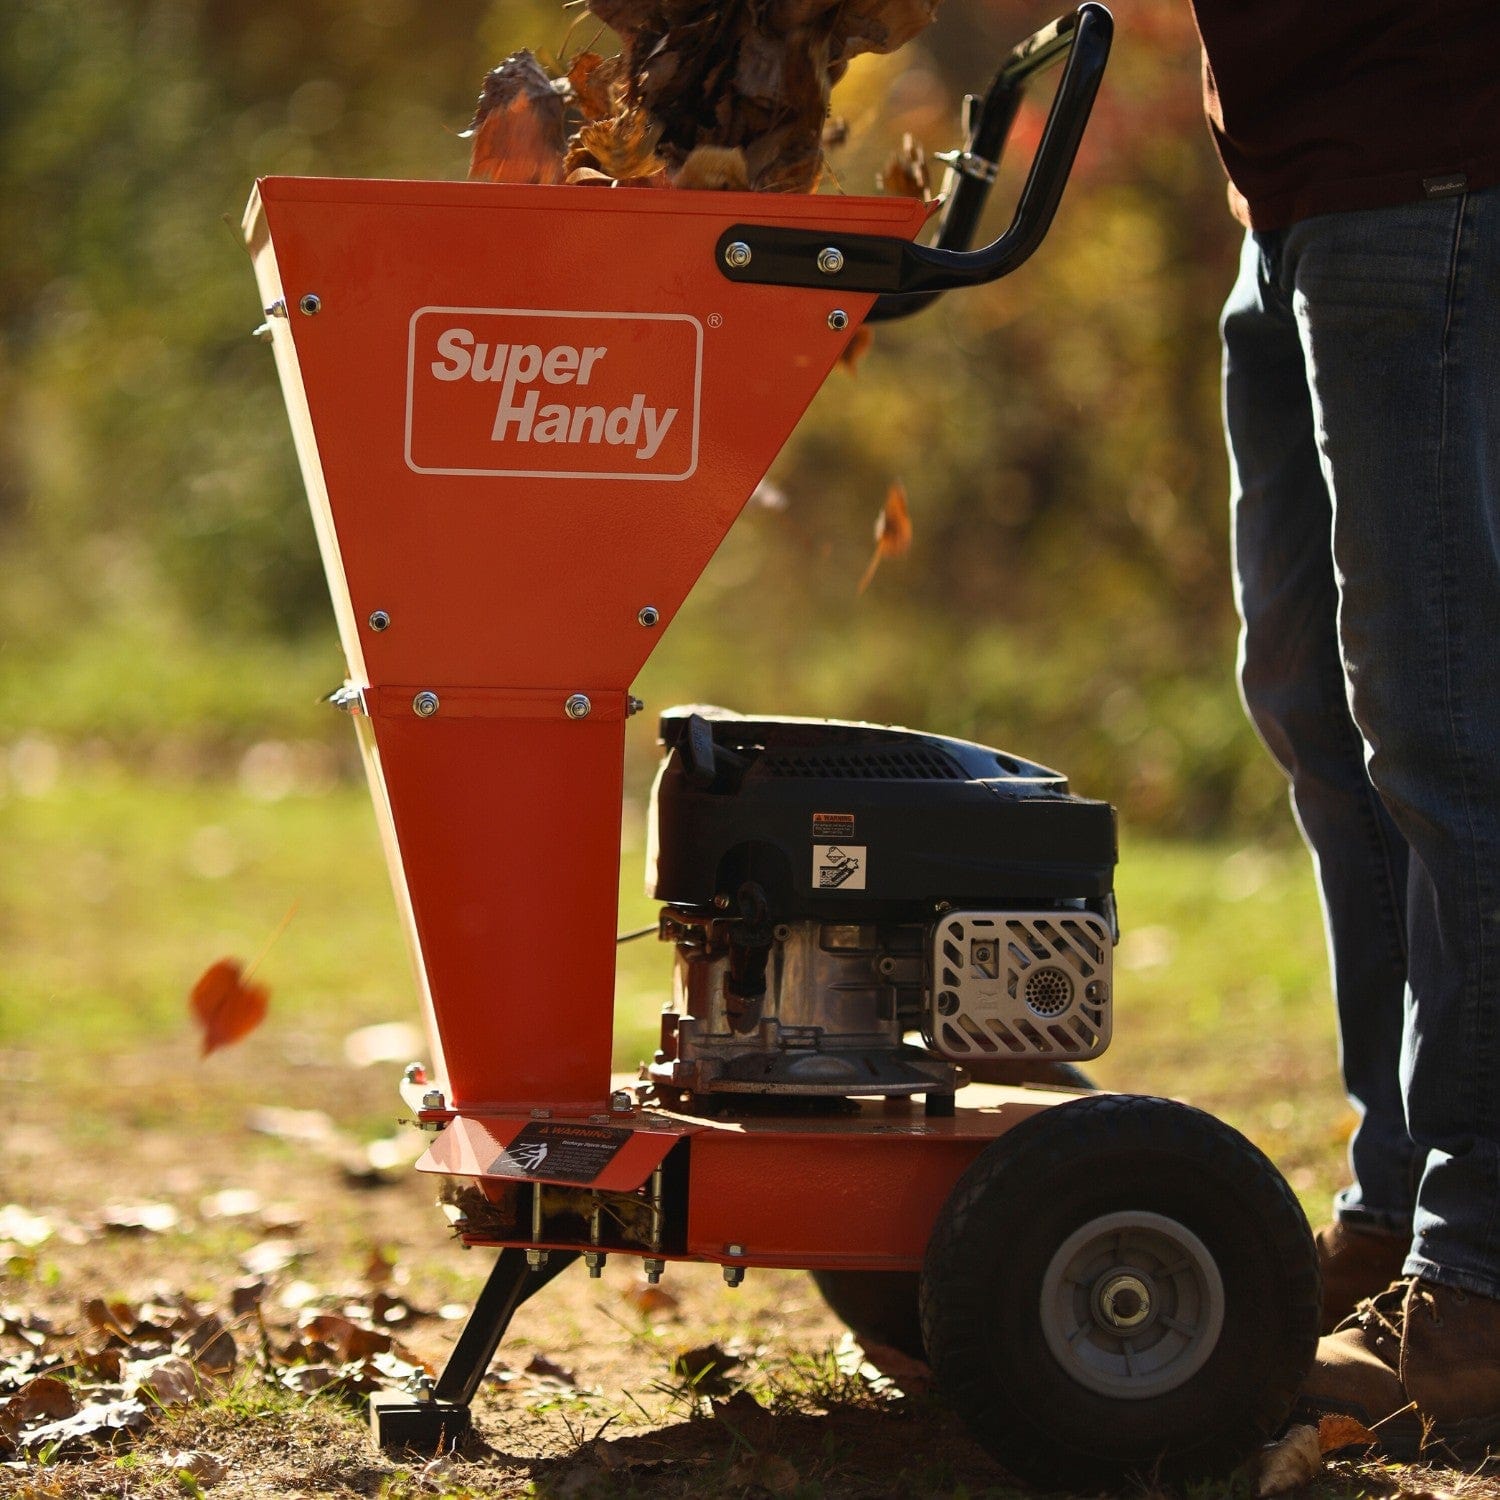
(512, 391)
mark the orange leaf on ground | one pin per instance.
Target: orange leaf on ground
(1343, 1432)
(892, 531)
(226, 1005)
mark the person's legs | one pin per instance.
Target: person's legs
(1291, 675)
(1398, 314)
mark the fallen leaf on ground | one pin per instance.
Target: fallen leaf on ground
(892, 531)
(270, 1256)
(19, 1226)
(1343, 1432)
(766, 1471)
(139, 1218)
(203, 1467)
(1288, 1464)
(100, 1421)
(546, 1369)
(226, 1005)
(385, 1042)
(169, 1380)
(230, 1203)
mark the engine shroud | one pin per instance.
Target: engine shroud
(812, 870)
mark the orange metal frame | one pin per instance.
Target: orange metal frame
(526, 417)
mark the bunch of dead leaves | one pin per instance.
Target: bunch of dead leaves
(108, 1377)
(699, 96)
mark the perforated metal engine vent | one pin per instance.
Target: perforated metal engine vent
(1021, 984)
(913, 763)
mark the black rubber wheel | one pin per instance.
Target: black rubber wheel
(1120, 1287)
(880, 1307)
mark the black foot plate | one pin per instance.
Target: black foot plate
(398, 1420)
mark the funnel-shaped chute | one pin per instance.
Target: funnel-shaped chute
(526, 417)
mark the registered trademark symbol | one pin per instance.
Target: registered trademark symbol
(715, 320)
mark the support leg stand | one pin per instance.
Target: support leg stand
(439, 1420)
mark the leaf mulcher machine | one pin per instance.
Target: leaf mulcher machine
(526, 416)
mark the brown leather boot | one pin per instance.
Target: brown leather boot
(1420, 1365)
(1356, 1263)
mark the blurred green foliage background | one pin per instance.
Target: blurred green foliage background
(1067, 594)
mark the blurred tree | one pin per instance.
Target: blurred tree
(1057, 432)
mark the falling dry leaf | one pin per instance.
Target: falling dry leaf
(592, 79)
(715, 167)
(857, 347)
(1344, 1432)
(905, 172)
(653, 1301)
(226, 1005)
(517, 129)
(892, 531)
(1290, 1463)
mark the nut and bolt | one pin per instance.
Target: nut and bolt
(737, 255)
(734, 1249)
(781, 932)
(311, 304)
(578, 706)
(541, 1114)
(838, 320)
(536, 1259)
(653, 1268)
(886, 967)
(649, 615)
(733, 1275)
(621, 1102)
(276, 309)
(594, 1260)
(433, 1099)
(633, 706)
(722, 902)
(1095, 991)
(415, 1073)
(425, 704)
(379, 620)
(830, 260)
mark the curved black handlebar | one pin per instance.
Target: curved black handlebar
(911, 275)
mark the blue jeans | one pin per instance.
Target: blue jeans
(1362, 405)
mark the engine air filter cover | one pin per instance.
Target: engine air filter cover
(1021, 984)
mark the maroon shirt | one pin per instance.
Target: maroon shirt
(1323, 105)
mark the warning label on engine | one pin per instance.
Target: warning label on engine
(839, 867)
(833, 825)
(559, 1151)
